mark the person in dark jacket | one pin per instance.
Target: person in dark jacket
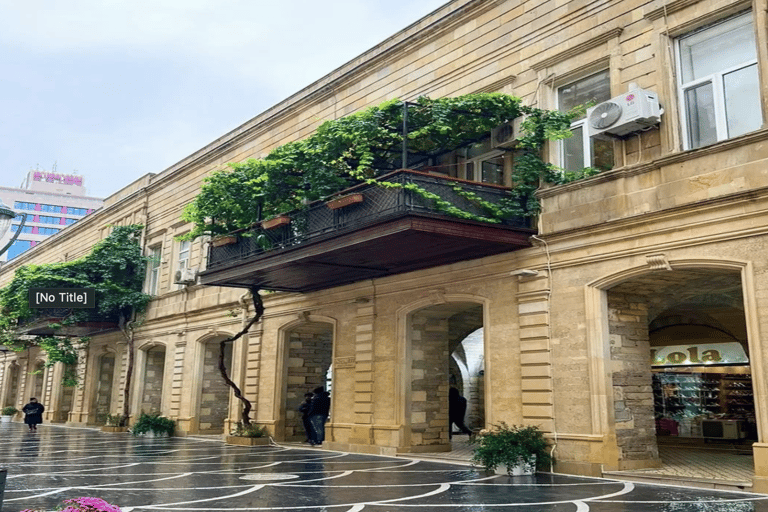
(457, 408)
(33, 414)
(304, 410)
(318, 412)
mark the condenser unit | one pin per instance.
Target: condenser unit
(631, 112)
(185, 276)
(507, 134)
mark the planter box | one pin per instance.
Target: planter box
(275, 222)
(5, 419)
(110, 428)
(347, 200)
(519, 469)
(247, 441)
(224, 240)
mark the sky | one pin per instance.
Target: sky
(115, 89)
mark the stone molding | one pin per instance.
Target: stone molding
(578, 49)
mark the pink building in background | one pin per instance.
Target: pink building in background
(52, 201)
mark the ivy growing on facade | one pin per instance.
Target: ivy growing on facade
(363, 146)
(115, 270)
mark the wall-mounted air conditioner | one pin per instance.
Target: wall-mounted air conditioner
(185, 276)
(634, 111)
(507, 134)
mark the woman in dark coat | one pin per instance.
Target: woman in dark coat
(33, 414)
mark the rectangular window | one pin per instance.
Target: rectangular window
(719, 88)
(155, 254)
(183, 260)
(579, 151)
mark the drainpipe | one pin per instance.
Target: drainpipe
(549, 347)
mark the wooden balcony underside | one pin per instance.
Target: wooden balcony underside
(411, 242)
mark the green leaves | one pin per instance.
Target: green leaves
(365, 145)
(115, 268)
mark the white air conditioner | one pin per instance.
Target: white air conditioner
(631, 112)
(185, 276)
(507, 134)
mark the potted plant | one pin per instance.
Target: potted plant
(276, 222)
(518, 450)
(114, 423)
(8, 413)
(248, 435)
(85, 504)
(153, 425)
(345, 200)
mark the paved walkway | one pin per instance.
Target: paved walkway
(193, 474)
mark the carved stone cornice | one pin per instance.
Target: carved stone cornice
(578, 49)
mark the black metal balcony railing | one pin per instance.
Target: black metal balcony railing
(87, 322)
(380, 204)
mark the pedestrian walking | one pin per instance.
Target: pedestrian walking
(318, 412)
(304, 410)
(33, 414)
(457, 409)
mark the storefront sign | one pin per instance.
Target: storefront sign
(699, 354)
(77, 298)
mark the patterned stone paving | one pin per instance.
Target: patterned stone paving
(193, 474)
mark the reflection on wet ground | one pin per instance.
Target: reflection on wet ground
(192, 474)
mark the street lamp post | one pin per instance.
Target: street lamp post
(6, 216)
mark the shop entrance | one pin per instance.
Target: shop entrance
(681, 368)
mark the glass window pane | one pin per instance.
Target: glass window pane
(700, 112)
(573, 150)
(742, 101)
(593, 89)
(493, 170)
(602, 154)
(717, 48)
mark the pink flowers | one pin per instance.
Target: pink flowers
(86, 504)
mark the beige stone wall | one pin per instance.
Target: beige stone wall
(546, 338)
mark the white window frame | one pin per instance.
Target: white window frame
(718, 87)
(184, 253)
(155, 260)
(588, 151)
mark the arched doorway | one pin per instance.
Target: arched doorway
(12, 380)
(214, 392)
(308, 358)
(446, 350)
(681, 368)
(38, 374)
(154, 373)
(102, 400)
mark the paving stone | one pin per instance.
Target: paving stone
(203, 474)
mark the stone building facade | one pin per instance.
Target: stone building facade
(664, 248)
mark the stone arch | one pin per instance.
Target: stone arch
(213, 394)
(37, 382)
(151, 362)
(13, 376)
(432, 332)
(305, 357)
(104, 380)
(626, 310)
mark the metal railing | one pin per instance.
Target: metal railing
(380, 203)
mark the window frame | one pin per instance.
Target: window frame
(155, 259)
(717, 81)
(588, 153)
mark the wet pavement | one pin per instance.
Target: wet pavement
(193, 474)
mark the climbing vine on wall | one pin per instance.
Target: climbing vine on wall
(361, 147)
(115, 269)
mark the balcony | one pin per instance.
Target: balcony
(88, 324)
(379, 232)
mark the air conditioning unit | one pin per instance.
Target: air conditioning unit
(185, 276)
(507, 134)
(634, 111)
